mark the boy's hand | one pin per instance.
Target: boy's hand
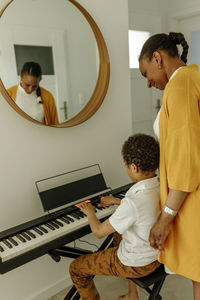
(109, 200)
(87, 208)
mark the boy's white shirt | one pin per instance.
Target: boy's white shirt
(134, 218)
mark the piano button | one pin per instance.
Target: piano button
(43, 229)
(69, 218)
(58, 222)
(30, 234)
(65, 220)
(9, 245)
(21, 238)
(50, 226)
(12, 241)
(26, 236)
(54, 224)
(38, 231)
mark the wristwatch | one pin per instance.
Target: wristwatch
(169, 211)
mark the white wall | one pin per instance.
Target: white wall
(144, 10)
(145, 16)
(178, 6)
(30, 152)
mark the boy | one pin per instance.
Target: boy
(133, 219)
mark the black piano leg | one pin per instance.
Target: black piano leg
(73, 294)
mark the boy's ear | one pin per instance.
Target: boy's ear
(134, 168)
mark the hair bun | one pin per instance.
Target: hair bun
(178, 38)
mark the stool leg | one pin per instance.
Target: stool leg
(156, 290)
(76, 297)
(71, 292)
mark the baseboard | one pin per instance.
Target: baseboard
(52, 290)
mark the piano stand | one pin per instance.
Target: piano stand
(66, 251)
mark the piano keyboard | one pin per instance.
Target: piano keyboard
(35, 238)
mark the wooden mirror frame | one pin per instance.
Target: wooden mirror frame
(101, 85)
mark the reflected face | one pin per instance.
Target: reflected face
(29, 83)
(154, 72)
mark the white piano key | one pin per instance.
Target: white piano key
(8, 253)
(51, 235)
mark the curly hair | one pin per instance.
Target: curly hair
(143, 151)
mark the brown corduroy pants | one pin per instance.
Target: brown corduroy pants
(106, 262)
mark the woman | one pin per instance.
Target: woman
(176, 232)
(34, 100)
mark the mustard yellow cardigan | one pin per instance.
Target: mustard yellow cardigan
(49, 107)
(179, 131)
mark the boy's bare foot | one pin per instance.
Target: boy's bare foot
(132, 292)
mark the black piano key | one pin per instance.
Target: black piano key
(1, 249)
(69, 218)
(49, 226)
(12, 241)
(26, 236)
(54, 224)
(81, 214)
(9, 245)
(76, 216)
(64, 220)
(30, 234)
(99, 207)
(96, 206)
(43, 229)
(38, 231)
(120, 196)
(21, 238)
(58, 223)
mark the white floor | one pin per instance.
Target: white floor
(175, 288)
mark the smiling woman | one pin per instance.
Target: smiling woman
(34, 100)
(80, 60)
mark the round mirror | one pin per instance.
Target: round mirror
(54, 64)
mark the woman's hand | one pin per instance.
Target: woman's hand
(109, 200)
(160, 230)
(158, 235)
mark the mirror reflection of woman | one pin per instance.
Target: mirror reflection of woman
(33, 99)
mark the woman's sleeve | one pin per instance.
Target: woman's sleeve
(182, 146)
(53, 112)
